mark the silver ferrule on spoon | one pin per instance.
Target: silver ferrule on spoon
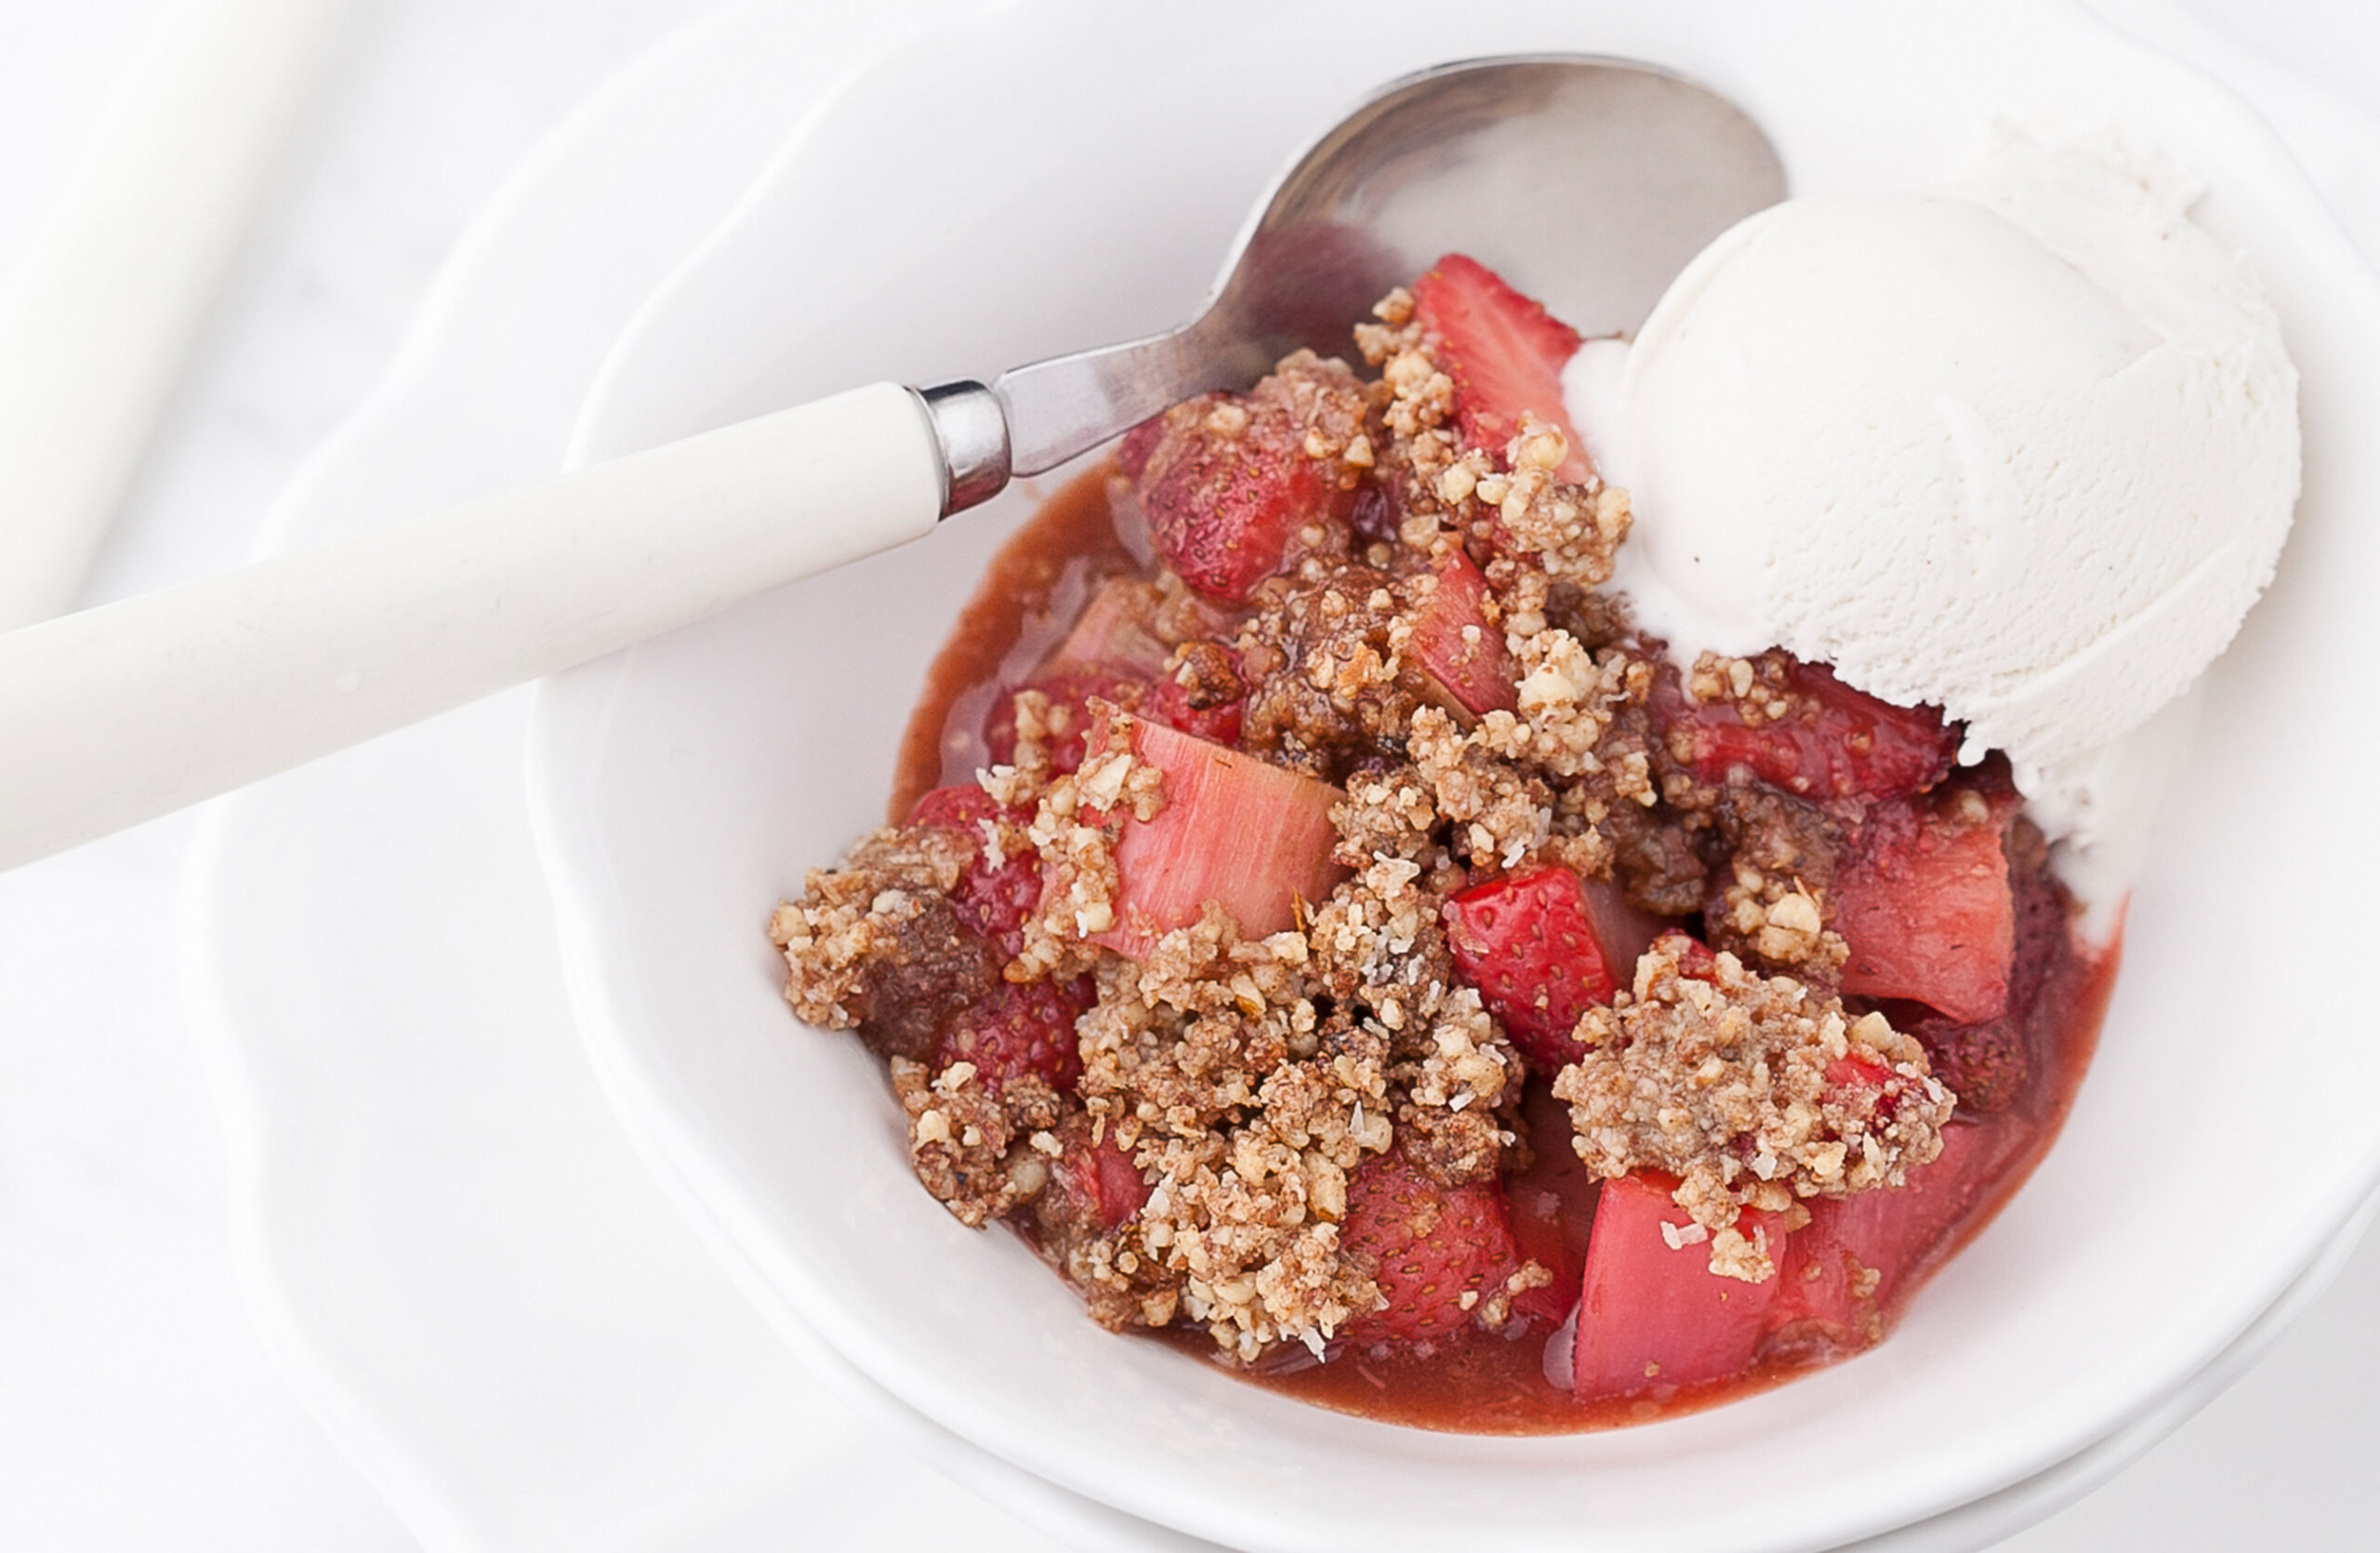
(971, 427)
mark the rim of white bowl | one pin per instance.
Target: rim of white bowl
(595, 945)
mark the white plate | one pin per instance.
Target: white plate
(1067, 175)
(455, 1258)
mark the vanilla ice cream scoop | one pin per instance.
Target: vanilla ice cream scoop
(2027, 449)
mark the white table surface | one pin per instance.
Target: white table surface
(136, 1408)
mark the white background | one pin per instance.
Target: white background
(136, 1408)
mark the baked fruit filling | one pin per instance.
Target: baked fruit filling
(1352, 947)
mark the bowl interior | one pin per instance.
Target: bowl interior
(1058, 175)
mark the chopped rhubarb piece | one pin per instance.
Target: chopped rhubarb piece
(1250, 836)
(1528, 943)
(1924, 902)
(1504, 351)
(1841, 1268)
(1456, 646)
(1832, 742)
(992, 902)
(1651, 1312)
(1553, 1205)
(1023, 1029)
(1625, 929)
(1225, 481)
(1113, 633)
(1430, 1246)
(1071, 691)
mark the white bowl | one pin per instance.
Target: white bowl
(1058, 175)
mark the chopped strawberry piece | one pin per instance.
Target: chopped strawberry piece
(1224, 501)
(957, 807)
(1219, 724)
(1872, 1091)
(1104, 1175)
(1834, 742)
(1528, 943)
(1654, 1314)
(1857, 1071)
(1023, 1028)
(1842, 1269)
(1553, 1205)
(991, 902)
(1207, 695)
(1456, 646)
(1924, 902)
(1430, 1245)
(1094, 1188)
(1113, 633)
(1251, 836)
(1504, 351)
(1071, 691)
(1986, 1064)
(1139, 444)
(1118, 1183)
(1694, 961)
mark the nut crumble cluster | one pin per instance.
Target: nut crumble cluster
(1696, 1062)
(1196, 1153)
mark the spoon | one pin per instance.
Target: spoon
(1589, 181)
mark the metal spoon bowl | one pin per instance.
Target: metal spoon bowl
(1589, 182)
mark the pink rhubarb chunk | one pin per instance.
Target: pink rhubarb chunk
(1845, 1264)
(1624, 929)
(1924, 905)
(1113, 633)
(1462, 654)
(1651, 1315)
(1234, 829)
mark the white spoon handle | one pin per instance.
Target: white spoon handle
(121, 713)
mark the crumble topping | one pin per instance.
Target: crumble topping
(1775, 895)
(1752, 1090)
(1245, 1105)
(1327, 661)
(1757, 687)
(1075, 825)
(876, 945)
(962, 1138)
(1500, 812)
(1564, 532)
(1244, 1080)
